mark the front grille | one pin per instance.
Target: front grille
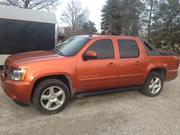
(6, 71)
(6, 67)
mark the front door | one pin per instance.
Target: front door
(99, 73)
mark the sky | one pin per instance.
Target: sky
(94, 7)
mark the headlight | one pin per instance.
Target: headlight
(17, 74)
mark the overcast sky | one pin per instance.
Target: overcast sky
(94, 7)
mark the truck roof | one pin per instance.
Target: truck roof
(27, 15)
(105, 36)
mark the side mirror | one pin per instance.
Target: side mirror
(90, 55)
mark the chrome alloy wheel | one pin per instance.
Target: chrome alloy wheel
(155, 85)
(53, 98)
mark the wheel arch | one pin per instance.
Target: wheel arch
(64, 78)
(159, 70)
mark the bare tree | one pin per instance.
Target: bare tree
(152, 4)
(74, 15)
(31, 4)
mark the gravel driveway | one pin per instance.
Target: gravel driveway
(124, 113)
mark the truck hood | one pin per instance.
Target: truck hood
(29, 57)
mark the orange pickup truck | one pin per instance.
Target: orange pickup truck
(85, 65)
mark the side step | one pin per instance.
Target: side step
(103, 92)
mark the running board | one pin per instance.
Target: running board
(102, 92)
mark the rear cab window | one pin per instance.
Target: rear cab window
(151, 51)
(128, 48)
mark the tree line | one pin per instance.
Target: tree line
(30, 4)
(156, 20)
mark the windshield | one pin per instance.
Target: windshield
(71, 46)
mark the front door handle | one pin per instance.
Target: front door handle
(138, 62)
(111, 65)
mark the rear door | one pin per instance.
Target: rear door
(100, 73)
(130, 63)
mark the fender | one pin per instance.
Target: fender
(68, 76)
(153, 66)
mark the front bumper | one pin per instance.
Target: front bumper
(17, 90)
(171, 75)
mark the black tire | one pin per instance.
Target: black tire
(145, 88)
(21, 104)
(38, 91)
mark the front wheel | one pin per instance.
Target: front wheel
(51, 96)
(153, 85)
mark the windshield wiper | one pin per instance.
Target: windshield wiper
(59, 52)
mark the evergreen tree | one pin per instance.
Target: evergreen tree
(131, 11)
(166, 27)
(89, 27)
(111, 18)
(122, 16)
(151, 8)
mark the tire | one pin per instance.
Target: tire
(21, 104)
(150, 87)
(51, 96)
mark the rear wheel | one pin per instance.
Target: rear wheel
(153, 85)
(51, 96)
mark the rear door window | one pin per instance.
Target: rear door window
(128, 49)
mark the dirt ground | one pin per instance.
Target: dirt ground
(123, 113)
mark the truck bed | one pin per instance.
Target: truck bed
(170, 63)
